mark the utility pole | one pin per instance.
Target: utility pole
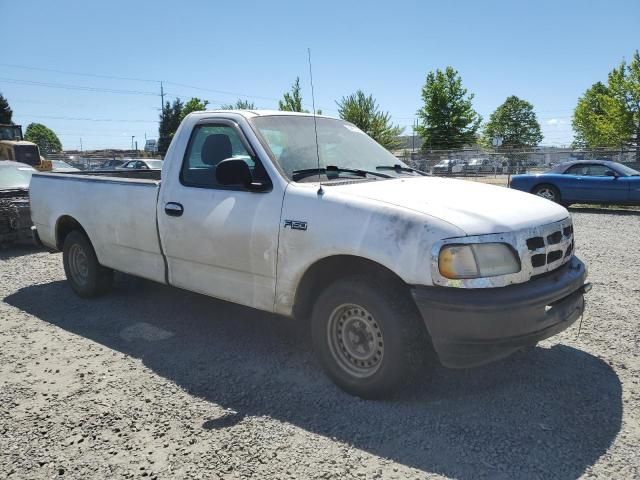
(413, 139)
(132, 137)
(161, 101)
(80, 144)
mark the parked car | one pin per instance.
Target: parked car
(584, 181)
(480, 165)
(60, 166)
(15, 220)
(141, 165)
(109, 164)
(387, 263)
(448, 167)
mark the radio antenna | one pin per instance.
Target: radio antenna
(315, 123)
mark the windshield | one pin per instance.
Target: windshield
(627, 170)
(291, 140)
(28, 154)
(15, 177)
(10, 132)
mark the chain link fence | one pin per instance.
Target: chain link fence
(497, 165)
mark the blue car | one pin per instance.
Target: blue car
(584, 181)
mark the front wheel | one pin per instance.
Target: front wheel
(547, 191)
(368, 337)
(84, 273)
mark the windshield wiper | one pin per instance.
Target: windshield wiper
(398, 168)
(297, 174)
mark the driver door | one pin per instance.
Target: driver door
(599, 183)
(219, 240)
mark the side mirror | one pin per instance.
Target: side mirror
(611, 173)
(234, 172)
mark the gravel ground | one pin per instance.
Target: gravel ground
(154, 382)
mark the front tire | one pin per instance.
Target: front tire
(84, 273)
(368, 336)
(547, 191)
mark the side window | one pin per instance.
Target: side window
(209, 145)
(577, 170)
(598, 170)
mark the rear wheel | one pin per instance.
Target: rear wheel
(547, 191)
(368, 337)
(84, 273)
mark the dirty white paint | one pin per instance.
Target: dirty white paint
(232, 244)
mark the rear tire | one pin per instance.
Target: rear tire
(84, 273)
(547, 191)
(368, 336)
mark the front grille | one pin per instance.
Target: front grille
(550, 249)
(542, 249)
(535, 243)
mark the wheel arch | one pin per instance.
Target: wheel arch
(64, 226)
(329, 269)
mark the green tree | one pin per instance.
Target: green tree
(5, 111)
(364, 113)
(516, 122)
(194, 104)
(609, 115)
(597, 119)
(239, 105)
(292, 101)
(44, 137)
(448, 119)
(169, 122)
(624, 111)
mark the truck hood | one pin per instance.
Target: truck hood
(474, 207)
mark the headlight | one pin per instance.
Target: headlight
(477, 260)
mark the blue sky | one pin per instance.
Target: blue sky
(547, 52)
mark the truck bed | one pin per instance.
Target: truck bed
(117, 209)
(132, 174)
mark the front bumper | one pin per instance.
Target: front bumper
(470, 327)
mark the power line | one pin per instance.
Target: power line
(54, 117)
(75, 87)
(64, 72)
(224, 92)
(115, 77)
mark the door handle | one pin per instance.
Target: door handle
(173, 209)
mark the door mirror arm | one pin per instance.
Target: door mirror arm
(259, 186)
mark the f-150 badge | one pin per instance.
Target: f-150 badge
(295, 224)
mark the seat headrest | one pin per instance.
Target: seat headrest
(216, 148)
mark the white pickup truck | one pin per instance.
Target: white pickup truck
(394, 268)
